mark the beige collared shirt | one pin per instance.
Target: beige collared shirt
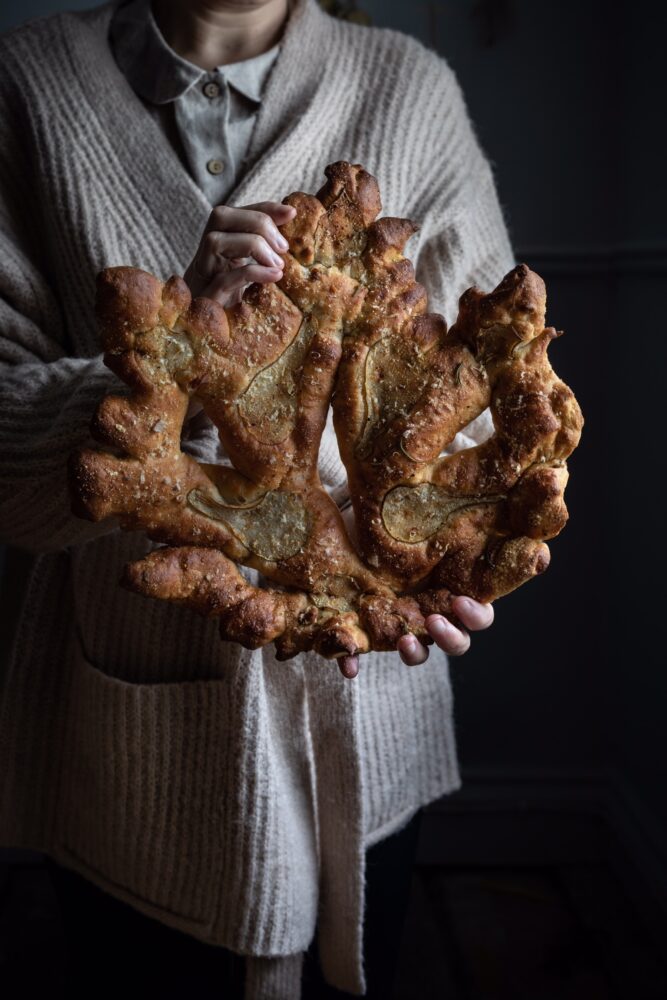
(208, 116)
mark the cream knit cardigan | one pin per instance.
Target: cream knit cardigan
(214, 789)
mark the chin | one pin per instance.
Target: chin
(237, 4)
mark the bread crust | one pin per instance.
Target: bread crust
(346, 325)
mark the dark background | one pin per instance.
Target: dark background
(560, 706)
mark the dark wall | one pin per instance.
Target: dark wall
(13, 13)
(636, 378)
(567, 99)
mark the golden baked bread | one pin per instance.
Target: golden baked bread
(348, 316)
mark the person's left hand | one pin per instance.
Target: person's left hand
(452, 640)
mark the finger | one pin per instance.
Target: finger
(233, 298)
(226, 219)
(411, 651)
(216, 249)
(225, 282)
(473, 614)
(349, 666)
(278, 210)
(452, 640)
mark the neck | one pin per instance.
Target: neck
(210, 33)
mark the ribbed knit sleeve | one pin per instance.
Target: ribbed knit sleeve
(469, 245)
(46, 398)
(45, 410)
(463, 239)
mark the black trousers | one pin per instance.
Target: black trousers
(110, 950)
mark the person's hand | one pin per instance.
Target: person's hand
(454, 641)
(239, 246)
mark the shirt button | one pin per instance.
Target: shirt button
(211, 89)
(215, 166)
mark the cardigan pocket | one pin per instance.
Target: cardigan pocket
(140, 808)
(137, 639)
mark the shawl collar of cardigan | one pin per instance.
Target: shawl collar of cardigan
(283, 117)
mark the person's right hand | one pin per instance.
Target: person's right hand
(239, 246)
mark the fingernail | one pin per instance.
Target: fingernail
(349, 666)
(441, 628)
(282, 242)
(277, 260)
(410, 646)
(467, 603)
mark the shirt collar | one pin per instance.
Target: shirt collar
(159, 74)
(248, 76)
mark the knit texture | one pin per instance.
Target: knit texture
(212, 788)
